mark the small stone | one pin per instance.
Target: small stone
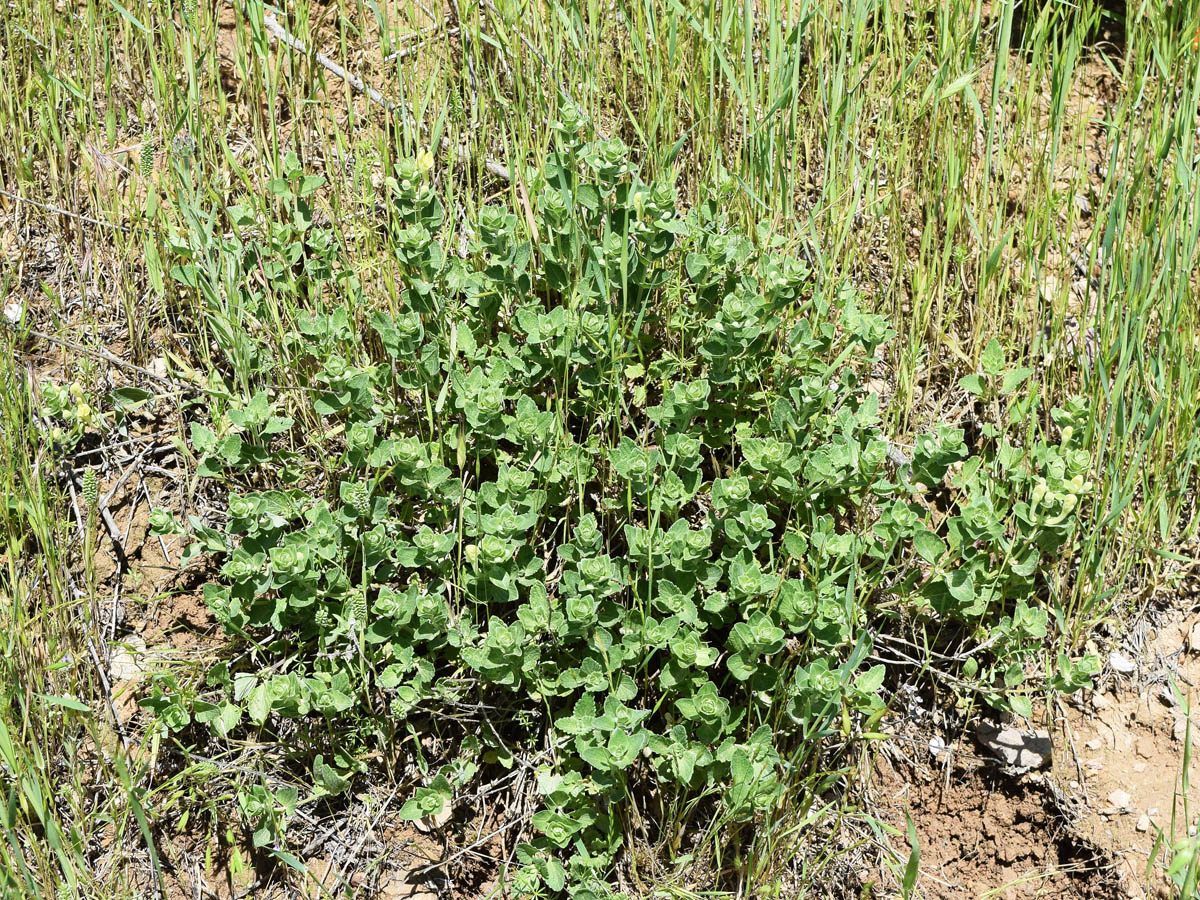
(1143, 823)
(126, 663)
(1121, 663)
(1015, 747)
(1139, 767)
(1144, 747)
(1100, 701)
(1094, 744)
(1094, 764)
(1120, 799)
(937, 746)
(1152, 811)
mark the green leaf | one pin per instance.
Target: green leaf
(186, 275)
(597, 757)
(740, 768)
(288, 860)
(66, 702)
(1020, 705)
(326, 780)
(309, 184)
(1014, 675)
(231, 449)
(229, 718)
(973, 384)
(961, 584)
(258, 704)
(556, 875)
(871, 680)
(740, 667)
(129, 17)
(1014, 379)
(992, 358)
(929, 546)
(128, 399)
(957, 85)
(913, 866)
(203, 439)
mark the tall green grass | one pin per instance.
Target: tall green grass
(66, 779)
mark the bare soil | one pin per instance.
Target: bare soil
(985, 834)
(1096, 823)
(1122, 755)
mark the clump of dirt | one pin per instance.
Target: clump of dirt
(126, 550)
(983, 833)
(181, 620)
(462, 859)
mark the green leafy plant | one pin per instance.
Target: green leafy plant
(69, 411)
(620, 481)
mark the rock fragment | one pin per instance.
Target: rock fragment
(127, 660)
(1015, 747)
(1120, 663)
